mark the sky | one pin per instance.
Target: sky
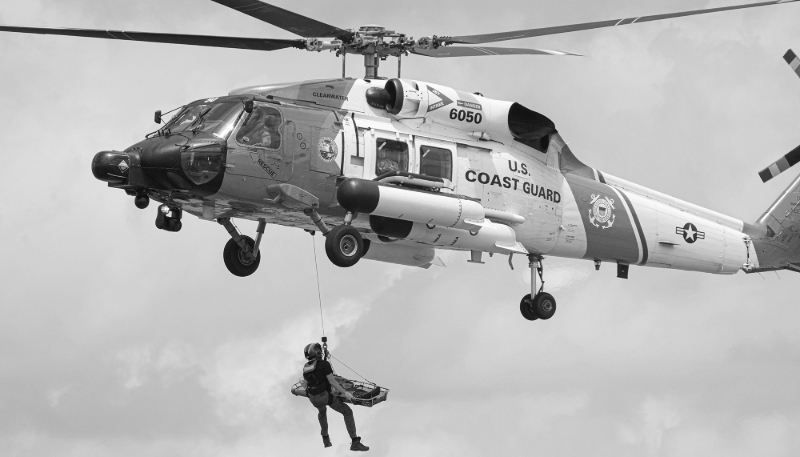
(117, 339)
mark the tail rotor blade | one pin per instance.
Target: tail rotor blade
(781, 165)
(791, 58)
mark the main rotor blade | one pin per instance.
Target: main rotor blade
(285, 19)
(474, 51)
(257, 44)
(515, 35)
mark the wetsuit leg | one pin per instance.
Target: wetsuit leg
(349, 421)
(321, 403)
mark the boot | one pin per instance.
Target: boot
(357, 446)
(326, 440)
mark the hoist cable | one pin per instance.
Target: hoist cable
(319, 295)
(354, 371)
(321, 317)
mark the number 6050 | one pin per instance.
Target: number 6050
(465, 116)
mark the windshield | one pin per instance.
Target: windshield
(217, 119)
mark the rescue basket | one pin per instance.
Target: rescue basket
(365, 393)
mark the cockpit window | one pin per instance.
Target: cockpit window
(262, 129)
(391, 156)
(217, 119)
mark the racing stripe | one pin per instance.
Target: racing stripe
(638, 226)
(610, 232)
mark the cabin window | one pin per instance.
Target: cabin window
(436, 162)
(390, 156)
(261, 129)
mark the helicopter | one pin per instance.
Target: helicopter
(393, 169)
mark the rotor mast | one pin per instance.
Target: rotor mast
(375, 43)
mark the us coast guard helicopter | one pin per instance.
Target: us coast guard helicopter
(392, 169)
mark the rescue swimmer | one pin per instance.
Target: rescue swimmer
(320, 385)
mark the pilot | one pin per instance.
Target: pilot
(320, 384)
(271, 136)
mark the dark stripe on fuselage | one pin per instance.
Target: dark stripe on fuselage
(610, 234)
(638, 226)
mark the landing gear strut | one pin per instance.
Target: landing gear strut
(241, 253)
(542, 305)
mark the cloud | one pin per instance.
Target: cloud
(120, 340)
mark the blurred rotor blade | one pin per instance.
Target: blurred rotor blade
(257, 44)
(783, 164)
(287, 20)
(474, 51)
(791, 58)
(515, 35)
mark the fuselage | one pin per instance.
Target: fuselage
(508, 159)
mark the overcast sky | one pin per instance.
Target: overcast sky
(117, 339)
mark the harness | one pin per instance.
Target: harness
(315, 381)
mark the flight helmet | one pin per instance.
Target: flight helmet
(313, 351)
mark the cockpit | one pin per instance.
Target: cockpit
(212, 116)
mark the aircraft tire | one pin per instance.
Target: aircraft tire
(544, 305)
(527, 309)
(235, 261)
(344, 246)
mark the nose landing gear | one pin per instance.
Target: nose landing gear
(241, 253)
(542, 305)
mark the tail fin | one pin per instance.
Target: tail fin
(776, 234)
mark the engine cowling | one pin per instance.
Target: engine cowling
(482, 117)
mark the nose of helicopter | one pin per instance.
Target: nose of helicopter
(111, 166)
(165, 164)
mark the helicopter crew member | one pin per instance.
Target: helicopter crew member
(318, 374)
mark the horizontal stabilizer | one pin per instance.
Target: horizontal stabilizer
(781, 165)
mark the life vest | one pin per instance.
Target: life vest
(316, 381)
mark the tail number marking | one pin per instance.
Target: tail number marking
(466, 116)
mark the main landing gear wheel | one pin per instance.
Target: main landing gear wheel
(344, 246)
(527, 309)
(544, 305)
(238, 262)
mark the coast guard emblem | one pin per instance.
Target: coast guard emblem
(327, 149)
(601, 214)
